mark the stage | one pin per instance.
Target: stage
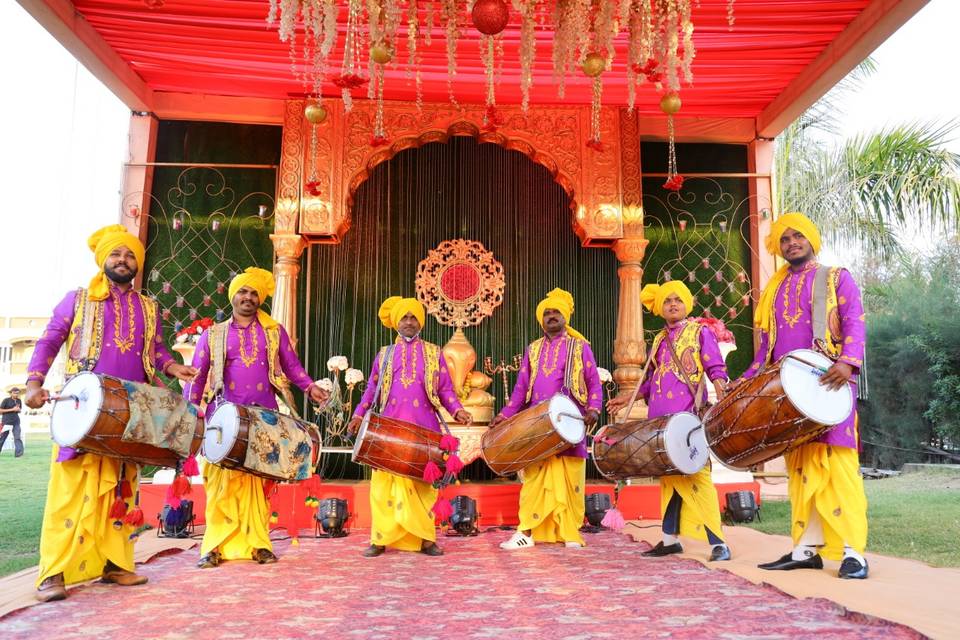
(496, 502)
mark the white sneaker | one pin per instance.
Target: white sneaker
(572, 545)
(517, 541)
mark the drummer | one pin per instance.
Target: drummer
(249, 359)
(551, 498)
(109, 328)
(827, 501)
(415, 385)
(688, 504)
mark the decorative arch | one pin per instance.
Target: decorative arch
(316, 189)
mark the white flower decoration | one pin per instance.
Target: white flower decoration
(326, 384)
(353, 376)
(604, 375)
(337, 363)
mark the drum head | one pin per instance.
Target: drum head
(565, 416)
(71, 420)
(801, 382)
(227, 418)
(688, 459)
(361, 432)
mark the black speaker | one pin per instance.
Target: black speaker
(597, 505)
(463, 520)
(176, 523)
(741, 507)
(332, 514)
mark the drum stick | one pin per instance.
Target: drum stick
(636, 390)
(808, 363)
(76, 400)
(575, 416)
(690, 433)
(219, 431)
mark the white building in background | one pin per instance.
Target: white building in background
(18, 337)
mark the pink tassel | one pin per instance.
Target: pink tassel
(119, 509)
(613, 519)
(454, 464)
(190, 467)
(134, 518)
(442, 509)
(432, 473)
(171, 500)
(449, 443)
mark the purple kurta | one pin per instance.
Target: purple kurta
(408, 399)
(793, 316)
(126, 364)
(246, 376)
(665, 392)
(549, 382)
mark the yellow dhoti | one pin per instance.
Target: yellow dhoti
(78, 536)
(551, 499)
(237, 514)
(825, 479)
(401, 510)
(700, 507)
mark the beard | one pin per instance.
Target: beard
(120, 279)
(796, 262)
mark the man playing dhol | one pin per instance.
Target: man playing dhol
(249, 359)
(109, 329)
(551, 498)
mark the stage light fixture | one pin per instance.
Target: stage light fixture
(741, 507)
(597, 505)
(464, 517)
(332, 514)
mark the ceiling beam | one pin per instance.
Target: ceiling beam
(69, 27)
(862, 36)
(198, 106)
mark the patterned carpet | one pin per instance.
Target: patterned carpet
(323, 588)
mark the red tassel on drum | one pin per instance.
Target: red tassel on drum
(431, 473)
(170, 499)
(613, 519)
(454, 464)
(190, 467)
(126, 491)
(442, 509)
(181, 486)
(134, 518)
(449, 443)
(119, 509)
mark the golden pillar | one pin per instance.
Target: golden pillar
(287, 247)
(629, 349)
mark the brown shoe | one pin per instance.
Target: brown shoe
(210, 560)
(433, 549)
(51, 589)
(373, 551)
(264, 556)
(115, 575)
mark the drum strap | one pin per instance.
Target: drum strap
(387, 362)
(820, 302)
(698, 391)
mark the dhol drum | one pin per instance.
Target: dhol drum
(532, 435)
(262, 442)
(92, 413)
(665, 446)
(780, 408)
(398, 447)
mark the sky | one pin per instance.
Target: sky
(64, 137)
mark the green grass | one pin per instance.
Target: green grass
(916, 515)
(23, 491)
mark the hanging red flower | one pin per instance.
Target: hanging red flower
(595, 144)
(313, 188)
(379, 141)
(349, 81)
(674, 183)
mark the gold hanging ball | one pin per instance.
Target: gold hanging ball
(380, 54)
(593, 65)
(670, 103)
(315, 113)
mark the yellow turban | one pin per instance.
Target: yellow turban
(653, 296)
(796, 221)
(562, 301)
(763, 316)
(395, 308)
(102, 243)
(261, 281)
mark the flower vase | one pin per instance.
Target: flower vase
(185, 349)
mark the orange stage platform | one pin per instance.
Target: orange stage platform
(496, 501)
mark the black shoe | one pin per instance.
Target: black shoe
(209, 561)
(373, 551)
(787, 563)
(264, 556)
(720, 553)
(432, 550)
(851, 569)
(663, 550)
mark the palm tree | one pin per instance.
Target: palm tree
(866, 190)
